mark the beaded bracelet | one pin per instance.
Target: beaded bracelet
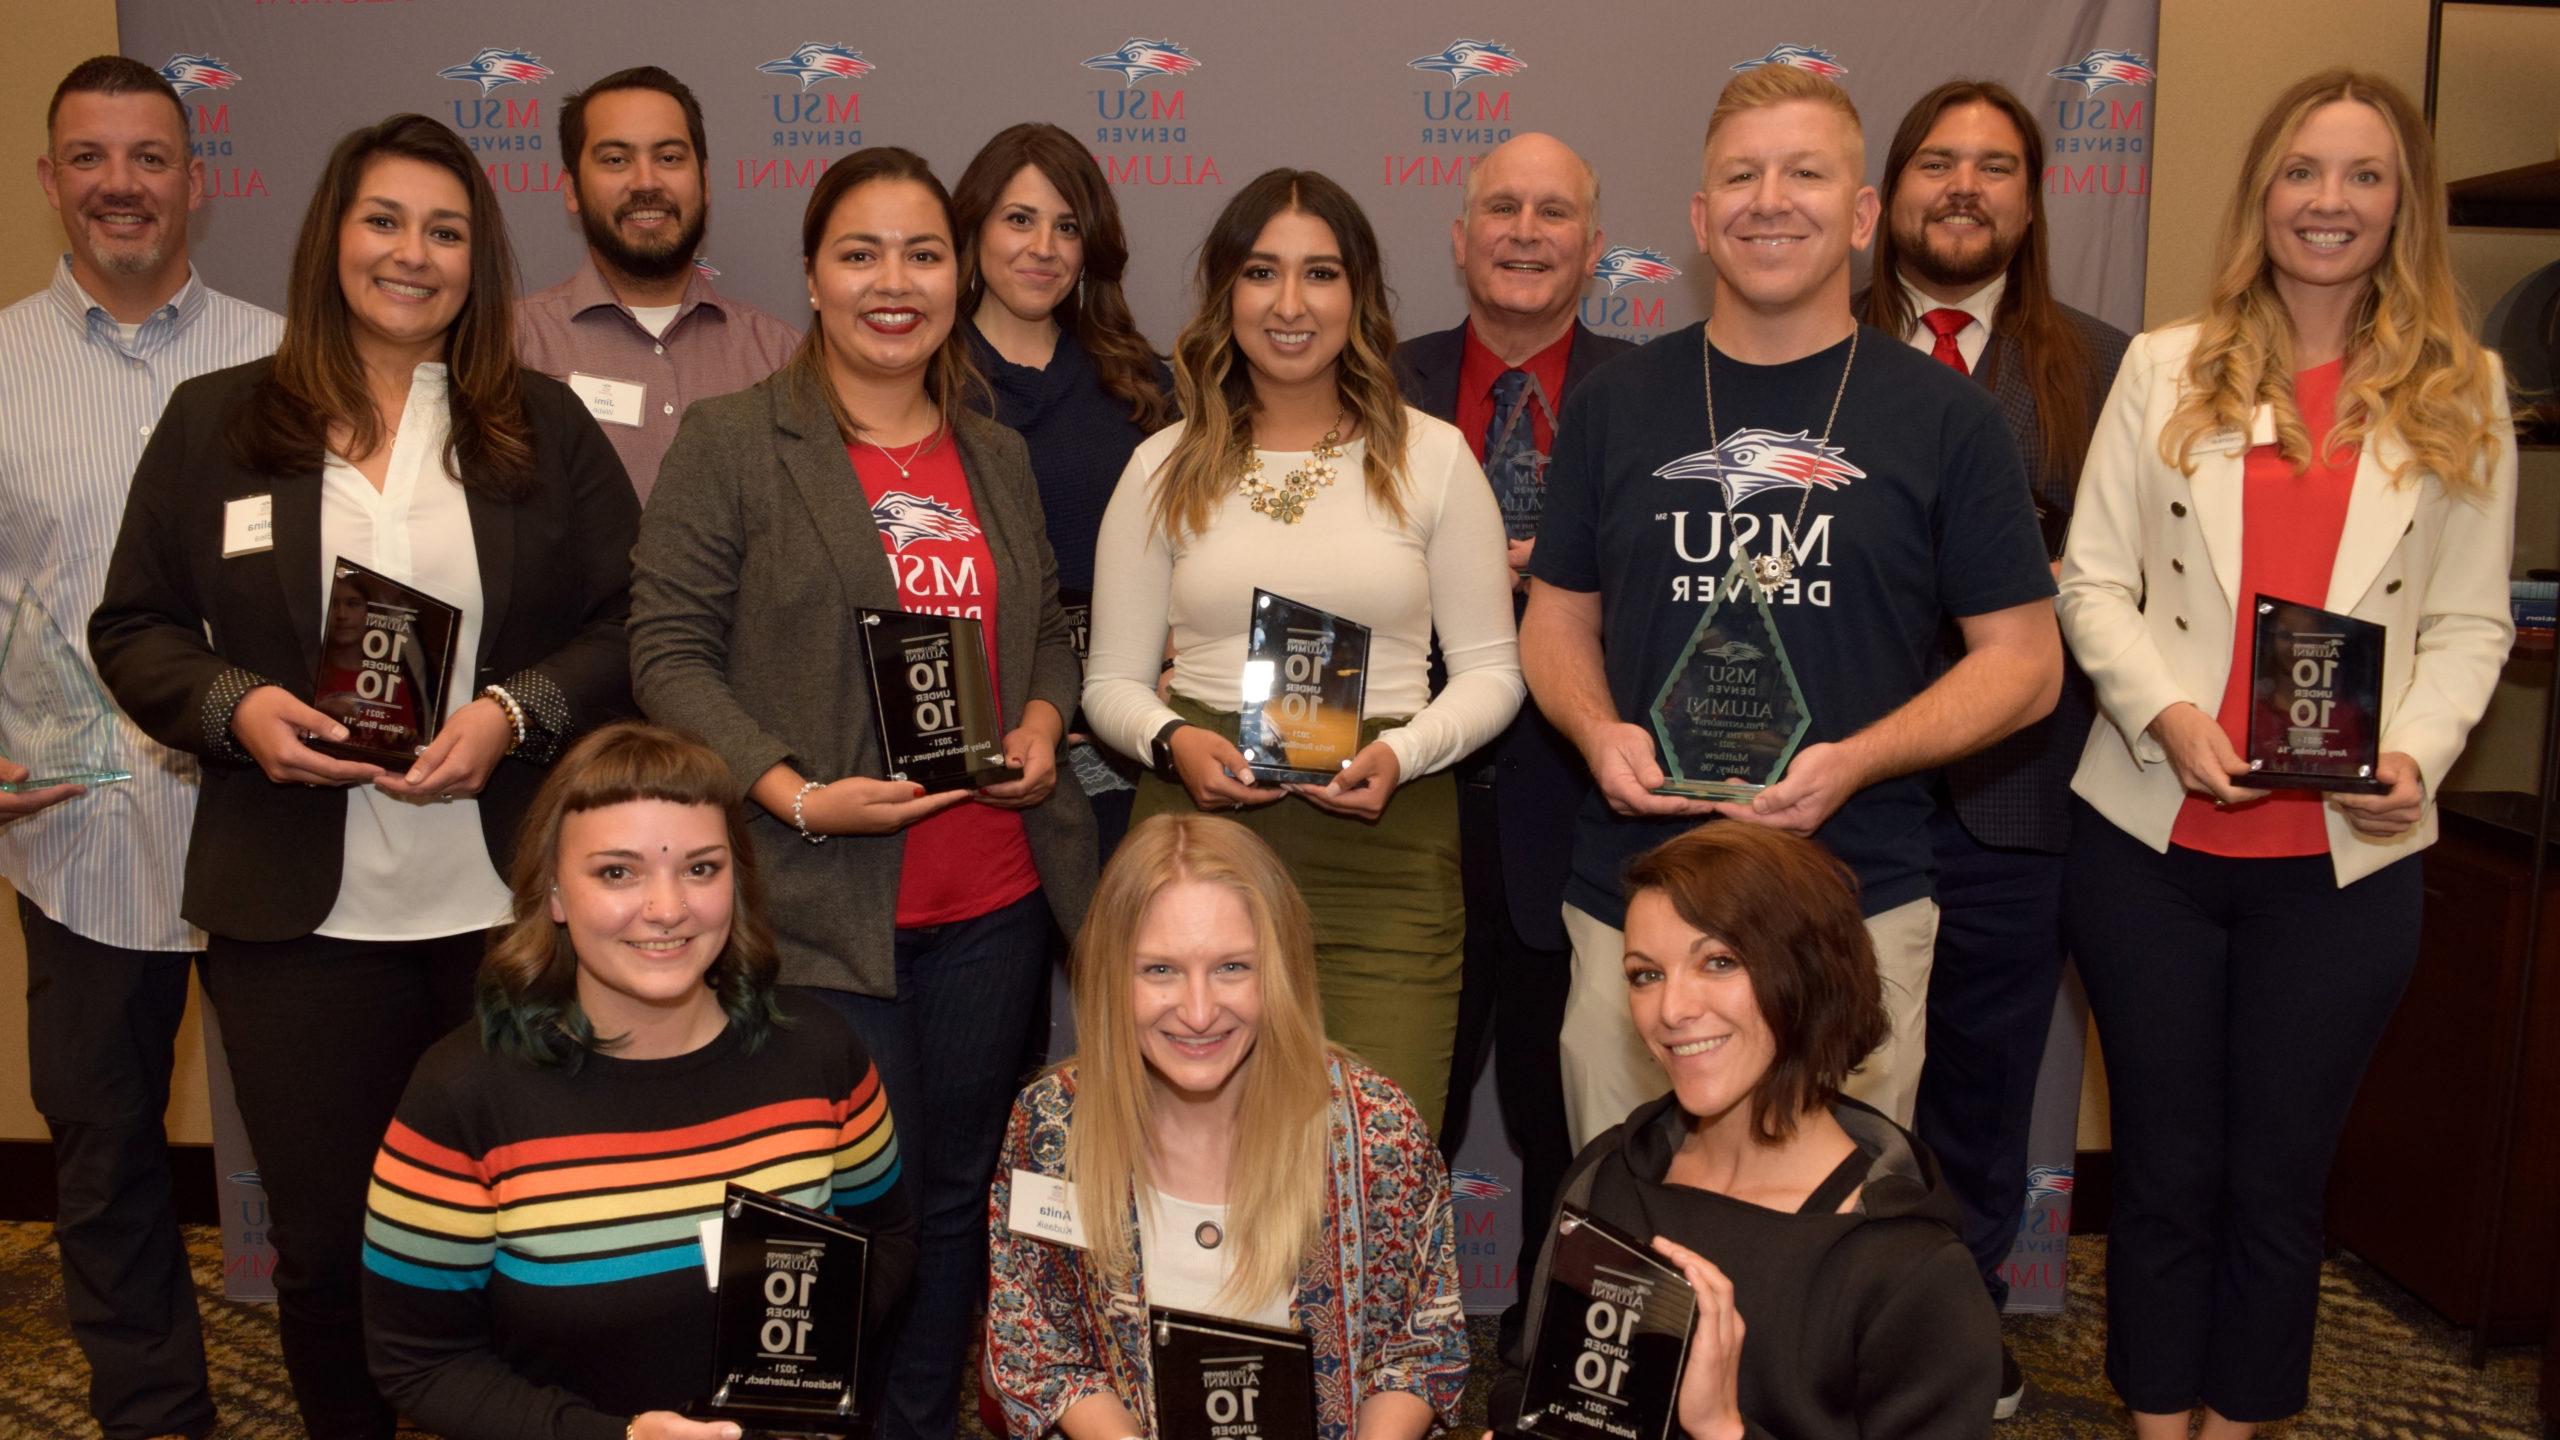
(515, 715)
(800, 821)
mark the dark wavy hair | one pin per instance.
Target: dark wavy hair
(1213, 384)
(950, 378)
(2058, 360)
(317, 380)
(1788, 910)
(1095, 311)
(528, 984)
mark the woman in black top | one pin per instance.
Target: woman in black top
(346, 902)
(1833, 1296)
(1042, 254)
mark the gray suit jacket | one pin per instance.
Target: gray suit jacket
(755, 549)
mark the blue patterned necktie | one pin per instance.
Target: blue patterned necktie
(1511, 459)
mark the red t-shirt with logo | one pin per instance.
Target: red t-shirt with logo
(2289, 526)
(973, 859)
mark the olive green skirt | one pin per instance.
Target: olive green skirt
(1389, 913)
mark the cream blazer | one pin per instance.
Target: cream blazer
(2151, 582)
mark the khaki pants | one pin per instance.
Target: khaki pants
(1608, 1072)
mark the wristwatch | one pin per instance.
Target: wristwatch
(1160, 752)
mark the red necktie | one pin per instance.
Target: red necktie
(1944, 322)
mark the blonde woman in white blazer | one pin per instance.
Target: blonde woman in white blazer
(2243, 950)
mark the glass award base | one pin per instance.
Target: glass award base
(364, 754)
(1709, 789)
(2281, 780)
(75, 777)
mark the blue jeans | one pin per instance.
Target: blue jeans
(948, 1049)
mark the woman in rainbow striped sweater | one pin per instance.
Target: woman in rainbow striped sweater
(533, 1259)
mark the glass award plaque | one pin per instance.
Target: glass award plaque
(786, 1320)
(1306, 672)
(53, 717)
(386, 656)
(1730, 714)
(1612, 1337)
(1220, 1379)
(1078, 604)
(933, 700)
(2315, 700)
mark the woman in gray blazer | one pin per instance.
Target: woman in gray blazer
(857, 478)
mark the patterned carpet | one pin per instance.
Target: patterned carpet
(2385, 1368)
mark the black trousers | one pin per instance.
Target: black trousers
(322, 1035)
(102, 1026)
(2238, 1002)
(1511, 997)
(1991, 993)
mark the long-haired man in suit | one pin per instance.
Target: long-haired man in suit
(1525, 239)
(1963, 274)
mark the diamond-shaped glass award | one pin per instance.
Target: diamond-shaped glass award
(53, 717)
(1731, 715)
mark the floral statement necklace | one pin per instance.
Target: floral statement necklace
(1286, 502)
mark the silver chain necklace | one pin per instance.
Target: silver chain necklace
(1777, 567)
(915, 452)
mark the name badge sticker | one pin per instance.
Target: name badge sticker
(612, 402)
(1044, 1207)
(248, 525)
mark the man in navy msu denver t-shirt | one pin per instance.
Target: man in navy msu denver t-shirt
(1925, 514)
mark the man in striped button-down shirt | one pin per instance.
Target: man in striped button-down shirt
(85, 367)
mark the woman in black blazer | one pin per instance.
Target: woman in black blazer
(346, 902)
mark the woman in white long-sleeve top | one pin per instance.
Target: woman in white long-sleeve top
(1299, 470)
(2327, 433)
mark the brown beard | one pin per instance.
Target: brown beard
(1922, 260)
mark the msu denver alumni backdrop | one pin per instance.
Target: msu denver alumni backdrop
(1179, 102)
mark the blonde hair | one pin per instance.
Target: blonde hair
(1276, 1186)
(1213, 385)
(1762, 86)
(2413, 370)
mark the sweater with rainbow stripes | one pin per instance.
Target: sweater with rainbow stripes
(533, 1257)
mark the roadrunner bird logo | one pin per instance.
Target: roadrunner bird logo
(906, 519)
(1465, 60)
(1624, 265)
(1140, 58)
(493, 67)
(2101, 68)
(1803, 57)
(814, 62)
(1749, 461)
(188, 74)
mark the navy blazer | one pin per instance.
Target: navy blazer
(1540, 778)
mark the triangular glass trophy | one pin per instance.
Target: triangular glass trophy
(1731, 715)
(53, 717)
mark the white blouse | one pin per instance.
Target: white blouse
(1443, 568)
(1183, 1274)
(412, 871)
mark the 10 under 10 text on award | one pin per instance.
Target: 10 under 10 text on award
(1730, 715)
(1612, 1337)
(1306, 674)
(386, 658)
(934, 700)
(1218, 1379)
(2315, 699)
(787, 1318)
